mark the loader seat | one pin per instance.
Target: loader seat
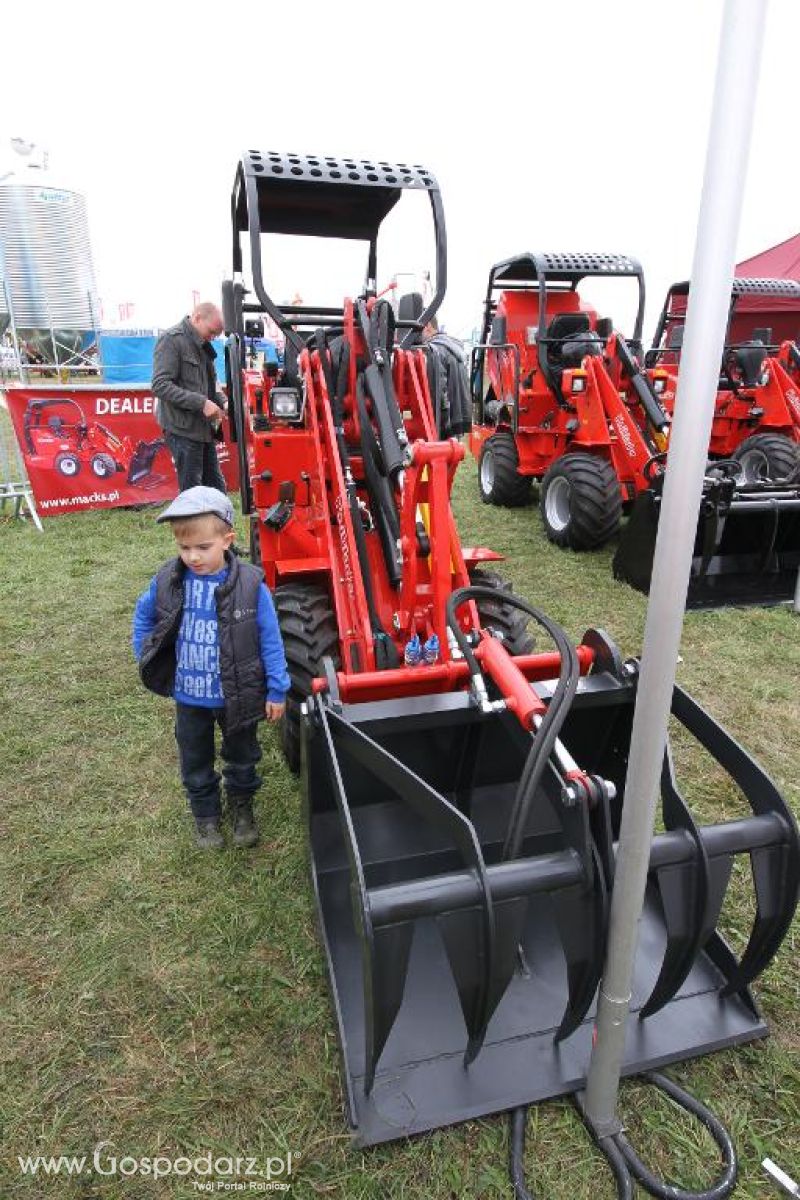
(565, 325)
(747, 360)
(409, 308)
(577, 348)
(563, 331)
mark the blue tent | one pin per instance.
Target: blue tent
(128, 358)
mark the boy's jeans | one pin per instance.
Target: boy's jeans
(194, 733)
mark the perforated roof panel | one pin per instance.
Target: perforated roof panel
(564, 267)
(324, 195)
(750, 287)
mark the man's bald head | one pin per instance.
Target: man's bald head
(207, 320)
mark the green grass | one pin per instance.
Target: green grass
(176, 1003)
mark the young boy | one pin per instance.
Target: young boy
(205, 633)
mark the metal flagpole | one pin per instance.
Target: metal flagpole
(712, 274)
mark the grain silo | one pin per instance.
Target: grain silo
(48, 293)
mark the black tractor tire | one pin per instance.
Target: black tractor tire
(499, 480)
(581, 502)
(767, 456)
(499, 616)
(310, 634)
(68, 464)
(103, 466)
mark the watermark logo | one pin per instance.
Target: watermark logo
(207, 1173)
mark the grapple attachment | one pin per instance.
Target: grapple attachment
(141, 464)
(747, 547)
(464, 980)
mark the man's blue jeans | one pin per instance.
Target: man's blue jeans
(195, 462)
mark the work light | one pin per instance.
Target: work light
(286, 404)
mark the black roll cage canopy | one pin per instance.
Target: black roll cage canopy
(568, 270)
(329, 198)
(33, 415)
(742, 286)
(544, 270)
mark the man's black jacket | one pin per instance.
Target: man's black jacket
(183, 379)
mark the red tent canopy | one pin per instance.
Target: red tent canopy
(779, 262)
(780, 313)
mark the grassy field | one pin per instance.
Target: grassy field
(175, 1003)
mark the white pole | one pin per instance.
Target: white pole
(706, 319)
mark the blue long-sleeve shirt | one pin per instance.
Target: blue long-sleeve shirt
(197, 677)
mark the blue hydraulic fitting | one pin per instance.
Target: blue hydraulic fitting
(430, 651)
(412, 654)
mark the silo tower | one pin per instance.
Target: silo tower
(48, 295)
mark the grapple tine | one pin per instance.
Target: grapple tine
(770, 837)
(510, 916)
(684, 889)
(775, 877)
(469, 935)
(462, 933)
(680, 889)
(771, 540)
(712, 526)
(582, 917)
(385, 981)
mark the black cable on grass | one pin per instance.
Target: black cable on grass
(657, 1187)
(516, 1159)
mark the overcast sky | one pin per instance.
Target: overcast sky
(578, 126)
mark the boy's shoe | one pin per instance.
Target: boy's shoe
(245, 832)
(207, 834)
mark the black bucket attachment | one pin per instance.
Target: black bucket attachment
(747, 548)
(141, 464)
(464, 984)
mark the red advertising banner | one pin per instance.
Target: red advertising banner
(97, 447)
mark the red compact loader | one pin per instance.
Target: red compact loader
(462, 790)
(58, 436)
(747, 548)
(757, 413)
(559, 397)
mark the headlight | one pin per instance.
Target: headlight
(286, 404)
(659, 386)
(578, 383)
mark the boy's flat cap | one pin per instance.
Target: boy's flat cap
(197, 502)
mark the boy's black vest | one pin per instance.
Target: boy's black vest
(240, 667)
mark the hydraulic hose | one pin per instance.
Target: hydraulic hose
(623, 1159)
(550, 727)
(516, 1159)
(656, 1187)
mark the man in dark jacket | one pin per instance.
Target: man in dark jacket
(189, 403)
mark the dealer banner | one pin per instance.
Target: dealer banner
(97, 447)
